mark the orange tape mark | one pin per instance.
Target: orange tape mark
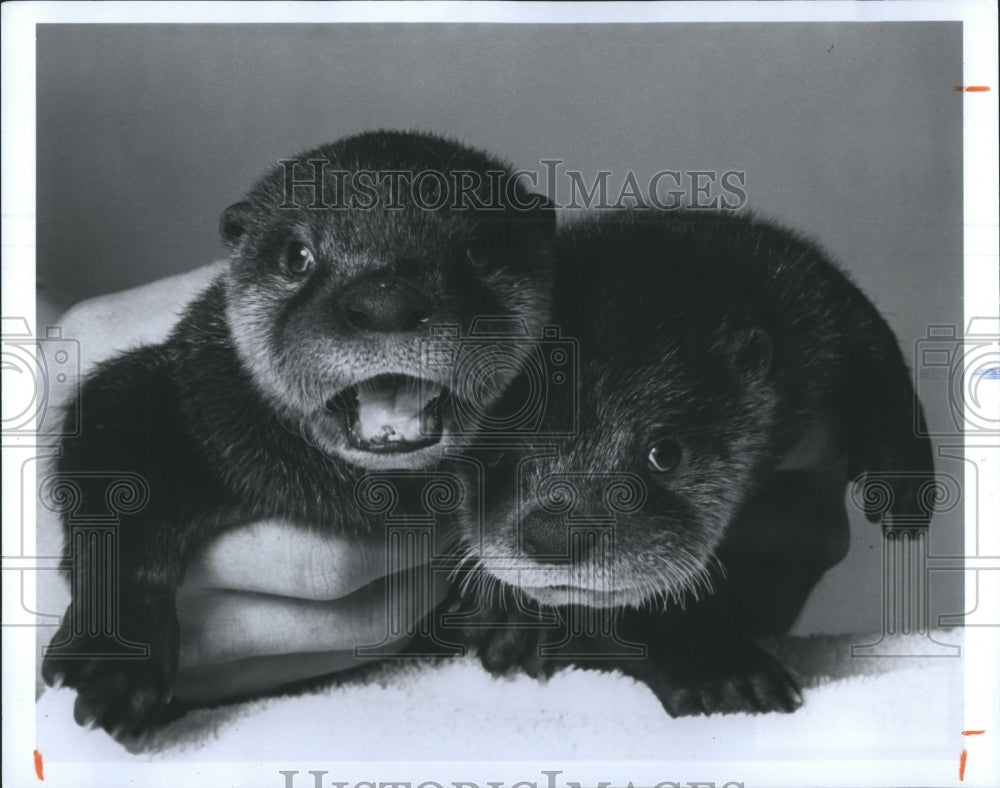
(973, 89)
(38, 766)
(965, 754)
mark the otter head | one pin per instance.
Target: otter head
(349, 259)
(674, 418)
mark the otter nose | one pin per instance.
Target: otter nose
(549, 538)
(383, 305)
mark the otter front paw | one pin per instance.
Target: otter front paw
(510, 641)
(122, 693)
(743, 678)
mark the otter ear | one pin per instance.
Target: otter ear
(753, 351)
(534, 209)
(544, 215)
(234, 221)
(522, 223)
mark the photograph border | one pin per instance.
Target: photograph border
(981, 651)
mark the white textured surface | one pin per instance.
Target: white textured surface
(454, 710)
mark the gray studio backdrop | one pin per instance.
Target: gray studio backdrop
(851, 133)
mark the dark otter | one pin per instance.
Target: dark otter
(292, 374)
(712, 349)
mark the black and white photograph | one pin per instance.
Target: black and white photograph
(501, 395)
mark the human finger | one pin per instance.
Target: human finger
(280, 558)
(227, 626)
(254, 675)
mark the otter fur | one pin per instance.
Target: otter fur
(297, 371)
(710, 346)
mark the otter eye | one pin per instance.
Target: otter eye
(665, 456)
(299, 258)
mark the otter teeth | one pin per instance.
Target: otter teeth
(394, 414)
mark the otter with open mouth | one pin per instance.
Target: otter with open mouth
(729, 373)
(298, 370)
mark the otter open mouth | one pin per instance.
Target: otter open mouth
(390, 414)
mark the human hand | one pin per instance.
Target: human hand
(272, 603)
